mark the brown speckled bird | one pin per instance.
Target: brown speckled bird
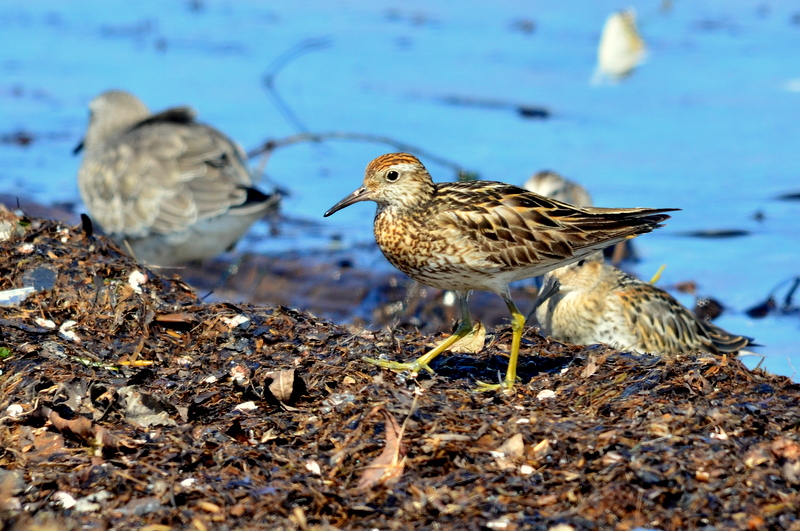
(171, 188)
(480, 235)
(598, 303)
(555, 186)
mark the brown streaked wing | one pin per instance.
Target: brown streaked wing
(725, 342)
(674, 328)
(520, 228)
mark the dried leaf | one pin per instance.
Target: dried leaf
(8, 486)
(511, 451)
(83, 428)
(473, 342)
(755, 457)
(142, 409)
(176, 318)
(542, 449)
(590, 369)
(208, 507)
(387, 467)
(285, 387)
(785, 448)
(791, 472)
(46, 446)
(282, 386)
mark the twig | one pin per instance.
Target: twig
(787, 302)
(524, 110)
(271, 145)
(278, 64)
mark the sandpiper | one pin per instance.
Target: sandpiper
(555, 186)
(166, 187)
(480, 235)
(597, 303)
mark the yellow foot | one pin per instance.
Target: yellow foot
(484, 387)
(397, 366)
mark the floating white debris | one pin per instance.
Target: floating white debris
(621, 47)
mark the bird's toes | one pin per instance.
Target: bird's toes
(413, 367)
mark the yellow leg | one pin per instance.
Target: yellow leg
(517, 326)
(464, 329)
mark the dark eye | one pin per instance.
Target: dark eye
(392, 176)
(580, 263)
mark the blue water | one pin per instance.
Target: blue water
(709, 124)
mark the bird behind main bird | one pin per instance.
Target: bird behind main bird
(166, 187)
(597, 303)
(481, 235)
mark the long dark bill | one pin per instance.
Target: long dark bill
(359, 195)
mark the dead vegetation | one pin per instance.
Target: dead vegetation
(126, 402)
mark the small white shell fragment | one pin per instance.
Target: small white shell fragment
(66, 331)
(211, 379)
(136, 280)
(313, 467)
(239, 374)
(188, 482)
(235, 321)
(545, 394)
(526, 470)
(64, 499)
(504, 522)
(44, 323)
(84, 505)
(721, 435)
(14, 410)
(246, 406)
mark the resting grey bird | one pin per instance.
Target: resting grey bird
(166, 187)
